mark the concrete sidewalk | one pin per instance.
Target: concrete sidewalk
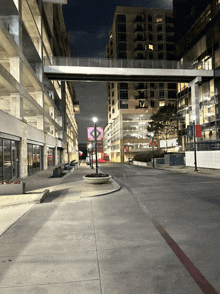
(40, 185)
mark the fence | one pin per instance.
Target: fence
(124, 63)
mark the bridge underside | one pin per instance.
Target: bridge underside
(102, 74)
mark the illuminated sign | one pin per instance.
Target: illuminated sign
(91, 133)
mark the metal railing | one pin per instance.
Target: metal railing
(124, 63)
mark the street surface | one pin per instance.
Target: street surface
(159, 233)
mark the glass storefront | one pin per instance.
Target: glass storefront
(8, 159)
(34, 158)
(50, 157)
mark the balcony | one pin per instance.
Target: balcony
(141, 96)
(76, 107)
(140, 107)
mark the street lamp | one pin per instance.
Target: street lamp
(96, 162)
(152, 136)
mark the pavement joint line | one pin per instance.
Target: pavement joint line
(14, 222)
(29, 285)
(197, 276)
(97, 254)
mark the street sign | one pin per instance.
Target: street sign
(190, 131)
(155, 143)
(91, 133)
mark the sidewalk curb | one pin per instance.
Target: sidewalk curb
(116, 188)
(43, 196)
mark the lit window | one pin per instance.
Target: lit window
(151, 47)
(110, 36)
(161, 103)
(159, 19)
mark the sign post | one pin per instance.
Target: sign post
(194, 139)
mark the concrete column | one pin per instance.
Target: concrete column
(39, 71)
(23, 155)
(52, 130)
(15, 68)
(45, 152)
(59, 120)
(16, 105)
(195, 98)
(51, 112)
(40, 98)
(40, 122)
(55, 155)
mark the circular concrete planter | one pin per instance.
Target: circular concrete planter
(96, 180)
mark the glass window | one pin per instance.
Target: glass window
(30, 159)
(161, 103)
(159, 19)
(151, 94)
(152, 103)
(7, 160)
(152, 85)
(159, 28)
(122, 54)
(14, 159)
(121, 17)
(161, 93)
(50, 157)
(150, 18)
(159, 37)
(151, 46)
(122, 47)
(1, 160)
(121, 27)
(160, 47)
(150, 28)
(161, 85)
(160, 56)
(123, 86)
(123, 95)
(121, 37)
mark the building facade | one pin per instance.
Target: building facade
(137, 33)
(200, 44)
(37, 116)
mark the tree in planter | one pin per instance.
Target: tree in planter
(164, 123)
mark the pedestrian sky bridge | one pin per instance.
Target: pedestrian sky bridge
(125, 70)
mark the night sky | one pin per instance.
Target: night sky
(88, 23)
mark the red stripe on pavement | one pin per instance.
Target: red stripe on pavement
(201, 281)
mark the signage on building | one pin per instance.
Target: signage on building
(91, 133)
(190, 131)
(198, 131)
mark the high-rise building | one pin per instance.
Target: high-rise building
(200, 44)
(37, 116)
(137, 33)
